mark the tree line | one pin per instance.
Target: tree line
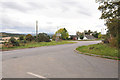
(41, 37)
(111, 14)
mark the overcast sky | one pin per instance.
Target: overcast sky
(75, 15)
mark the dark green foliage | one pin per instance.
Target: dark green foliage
(13, 41)
(109, 9)
(81, 36)
(23, 41)
(95, 34)
(105, 41)
(43, 37)
(111, 13)
(29, 37)
(53, 37)
(21, 37)
(88, 32)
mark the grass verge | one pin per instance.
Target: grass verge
(37, 44)
(99, 49)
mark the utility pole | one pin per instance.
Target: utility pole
(101, 31)
(36, 28)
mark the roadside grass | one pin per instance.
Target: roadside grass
(99, 49)
(91, 40)
(36, 44)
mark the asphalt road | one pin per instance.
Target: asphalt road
(58, 61)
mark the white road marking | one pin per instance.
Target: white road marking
(36, 75)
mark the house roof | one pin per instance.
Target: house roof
(90, 37)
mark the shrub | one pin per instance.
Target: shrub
(21, 37)
(53, 37)
(43, 37)
(13, 41)
(105, 41)
(29, 37)
(100, 36)
(23, 41)
(114, 42)
(8, 45)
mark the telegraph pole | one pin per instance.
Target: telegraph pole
(36, 28)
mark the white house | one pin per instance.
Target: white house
(88, 37)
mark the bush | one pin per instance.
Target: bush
(43, 37)
(21, 37)
(13, 41)
(23, 41)
(29, 37)
(105, 41)
(100, 36)
(114, 42)
(53, 37)
(16, 43)
(8, 45)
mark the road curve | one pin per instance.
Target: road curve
(58, 61)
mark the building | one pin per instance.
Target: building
(6, 39)
(88, 37)
(73, 37)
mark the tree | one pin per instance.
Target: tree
(85, 31)
(89, 32)
(81, 36)
(43, 37)
(29, 37)
(54, 37)
(111, 14)
(79, 33)
(100, 36)
(63, 32)
(95, 34)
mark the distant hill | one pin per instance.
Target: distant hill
(4, 34)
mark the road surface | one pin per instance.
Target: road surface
(58, 61)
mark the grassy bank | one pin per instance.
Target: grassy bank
(99, 49)
(36, 44)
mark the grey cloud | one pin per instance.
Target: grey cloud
(81, 9)
(22, 8)
(70, 2)
(37, 5)
(8, 23)
(66, 5)
(84, 13)
(49, 22)
(14, 5)
(99, 26)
